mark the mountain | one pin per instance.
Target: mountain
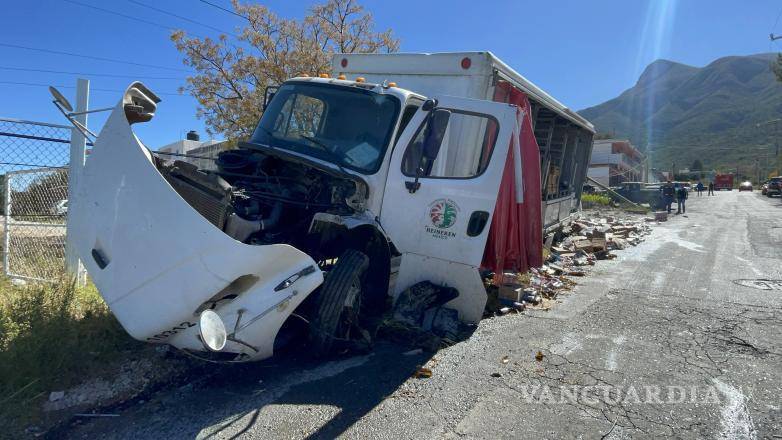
(680, 113)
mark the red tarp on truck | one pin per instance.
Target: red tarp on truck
(515, 239)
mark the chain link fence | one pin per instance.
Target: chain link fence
(34, 160)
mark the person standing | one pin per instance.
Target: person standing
(711, 188)
(681, 197)
(699, 188)
(668, 193)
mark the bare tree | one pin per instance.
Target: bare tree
(231, 76)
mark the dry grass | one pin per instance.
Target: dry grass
(51, 336)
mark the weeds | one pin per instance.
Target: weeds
(51, 335)
(595, 199)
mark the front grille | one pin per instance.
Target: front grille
(207, 195)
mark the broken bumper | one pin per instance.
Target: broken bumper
(158, 263)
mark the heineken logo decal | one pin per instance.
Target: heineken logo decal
(442, 215)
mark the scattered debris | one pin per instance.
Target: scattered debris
(589, 238)
(419, 318)
(539, 356)
(505, 359)
(413, 352)
(412, 304)
(495, 374)
(422, 373)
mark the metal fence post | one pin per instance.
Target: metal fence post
(76, 164)
(6, 223)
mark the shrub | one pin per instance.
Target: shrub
(595, 199)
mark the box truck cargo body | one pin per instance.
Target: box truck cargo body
(564, 138)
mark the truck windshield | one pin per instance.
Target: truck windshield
(344, 125)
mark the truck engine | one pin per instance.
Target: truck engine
(265, 197)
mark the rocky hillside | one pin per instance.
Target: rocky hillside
(682, 113)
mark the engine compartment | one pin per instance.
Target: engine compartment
(264, 197)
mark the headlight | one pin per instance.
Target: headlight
(212, 330)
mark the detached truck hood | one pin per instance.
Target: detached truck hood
(158, 263)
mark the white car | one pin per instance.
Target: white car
(60, 208)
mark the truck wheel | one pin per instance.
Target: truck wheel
(338, 302)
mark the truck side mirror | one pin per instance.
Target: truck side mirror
(268, 95)
(436, 125)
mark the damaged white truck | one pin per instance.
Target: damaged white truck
(350, 191)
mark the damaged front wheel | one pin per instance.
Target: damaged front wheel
(338, 302)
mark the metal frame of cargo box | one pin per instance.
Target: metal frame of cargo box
(565, 142)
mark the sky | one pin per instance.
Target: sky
(581, 52)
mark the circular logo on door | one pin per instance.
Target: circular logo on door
(443, 213)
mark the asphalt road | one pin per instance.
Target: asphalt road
(675, 338)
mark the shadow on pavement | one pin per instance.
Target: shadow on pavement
(355, 385)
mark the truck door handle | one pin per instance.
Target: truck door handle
(477, 222)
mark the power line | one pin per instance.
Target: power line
(108, 75)
(120, 14)
(183, 18)
(141, 20)
(224, 9)
(90, 57)
(20, 83)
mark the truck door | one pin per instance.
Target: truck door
(445, 213)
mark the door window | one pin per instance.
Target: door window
(464, 151)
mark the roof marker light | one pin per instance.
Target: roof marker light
(341, 77)
(324, 75)
(466, 63)
(360, 79)
(392, 84)
(344, 62)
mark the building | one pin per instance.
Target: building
(192, 150)
(615, 161)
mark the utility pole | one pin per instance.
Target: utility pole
(75, 166)
(757, 171)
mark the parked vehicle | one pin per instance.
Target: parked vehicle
(686, 185)
(723, 181)
(60, 208)
(639, 192)
(774, 186)
(347, 193)
(745, 186)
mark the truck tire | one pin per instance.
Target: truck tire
(342, 287)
